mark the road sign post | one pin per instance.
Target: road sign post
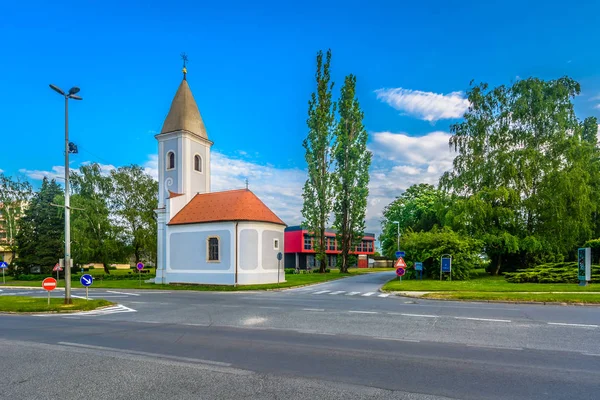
(3, 266)
(279, 257)
(446, 265)
(140, 267)
(400, 265)
(49, 284)
(57, 268)
(584, 265)
(86, 280)
(419, 269)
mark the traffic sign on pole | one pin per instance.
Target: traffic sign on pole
(140, 267)
(400, 263)
(49, 284)
(400, 254)
(3, 266)
(86, 280)
(400, 271)
(418, 266)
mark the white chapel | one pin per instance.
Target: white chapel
(204, 237)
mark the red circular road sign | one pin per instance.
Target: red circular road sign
(49, 284)
(400, 271)
(140, 266)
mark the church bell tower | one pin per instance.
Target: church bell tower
(183, 148)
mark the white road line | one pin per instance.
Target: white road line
(143, 353)
(396, 339)
(364, 312)
(352, 293)
(81, 297)
(369, 294)
(338, 292)
(313, 309)
(321, 291)
(494, 347)
(383, 295)
(420, 315)
(197, 325)
(141, 302)
(576, 325)
(591, 354)
(269, 307)
(128, 294)
(483, 319)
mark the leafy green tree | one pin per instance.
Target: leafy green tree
(417, 209)
(520, 171)
(351, 176)
(318, 189)
(133, 202)
(429, 247)
(40, 234)
(14, 196)
(96, 235)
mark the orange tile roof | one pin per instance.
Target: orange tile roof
(232, 205)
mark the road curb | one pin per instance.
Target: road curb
(549, 303)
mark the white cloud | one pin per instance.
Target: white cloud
(427, 106)
(57, 172)
(399, 161)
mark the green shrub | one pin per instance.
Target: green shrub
(561, 272)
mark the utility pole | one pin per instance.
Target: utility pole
(70, 95)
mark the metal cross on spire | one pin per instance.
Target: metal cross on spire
(185, 60)
(246, 183)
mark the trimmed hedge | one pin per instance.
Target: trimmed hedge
(562, 272)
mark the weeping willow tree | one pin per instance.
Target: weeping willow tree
(526, 172)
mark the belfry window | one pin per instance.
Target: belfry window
(197, 163)
(170, 160)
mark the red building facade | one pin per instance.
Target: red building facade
(299, 248)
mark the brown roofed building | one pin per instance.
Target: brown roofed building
(205, 237)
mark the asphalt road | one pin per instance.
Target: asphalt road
(333, 340)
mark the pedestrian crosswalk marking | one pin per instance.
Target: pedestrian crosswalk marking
(95, 313)
(384, 295)
(338, 292)
(322, 291)
(352, 293)
(369, 294)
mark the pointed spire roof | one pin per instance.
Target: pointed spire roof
(184, 114)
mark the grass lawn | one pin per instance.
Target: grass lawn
(292, 280)
(589, 298)
(40, 304)
(484, 284)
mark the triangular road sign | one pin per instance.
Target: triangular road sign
(400, 263)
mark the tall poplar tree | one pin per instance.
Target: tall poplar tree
(351, 175)
(318, 189)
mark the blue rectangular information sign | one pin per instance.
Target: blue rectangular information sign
(418, 266)
(446, 264)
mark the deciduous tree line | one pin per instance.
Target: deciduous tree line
(338, 166)
(112, 218)
(524, 187)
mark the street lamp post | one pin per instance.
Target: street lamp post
(398, 224)
(70, 95)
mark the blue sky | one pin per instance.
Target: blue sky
(251, 70)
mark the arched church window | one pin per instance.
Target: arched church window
(213, 249)
(197, 163)
(170, 160)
